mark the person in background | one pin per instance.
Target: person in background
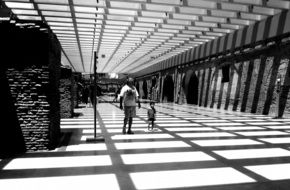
(85, 95)
(117, 94)
(151, 115)
(129, 97)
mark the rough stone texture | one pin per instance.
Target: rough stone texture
(33, 72)
(32, 107)
(264, 85)
(284, 97)
(252, 87)
(66, 98)
(66, 89)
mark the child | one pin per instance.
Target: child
(151, 115)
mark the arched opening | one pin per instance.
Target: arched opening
(192, 94)
(168, 89)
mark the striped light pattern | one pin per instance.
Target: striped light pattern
(130, 36)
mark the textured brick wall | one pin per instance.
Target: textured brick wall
(66, 98)
(66, 89)
(28, 89)
(252, 87)
(33, 74)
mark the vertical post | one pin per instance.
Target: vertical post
(95, 94)
(95, 138)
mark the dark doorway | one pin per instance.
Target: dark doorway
(168, 89)
(145, 89)
(153, 81)
(192, 94)
(183, 83)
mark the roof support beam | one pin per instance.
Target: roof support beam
(70, 2)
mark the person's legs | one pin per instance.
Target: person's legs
(152, 124)
(124, 125)
(149, 122)
(130, 125)
(131, 114)
(127, 115)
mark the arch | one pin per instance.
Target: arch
(192, 94)
(168, 89)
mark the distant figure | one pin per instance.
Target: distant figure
(151, 115)
(85, 94)
(117, 94)
(129, 96)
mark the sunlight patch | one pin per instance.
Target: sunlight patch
(165, 157)
(262, 133)
(265, 123)
(142, 136)
(188, 178)
(91, 126)
(240, 128)
(104, 181)
(272, 171)
(215, 134)
(145, 145)
(223, 124)
(226, 142)
(86, 147)
(191, 129)
(177, 124)
(282, 140)
(253, 153)
(58, 162)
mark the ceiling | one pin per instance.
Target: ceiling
(131, 35)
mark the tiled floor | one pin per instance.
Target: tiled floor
(190, 148)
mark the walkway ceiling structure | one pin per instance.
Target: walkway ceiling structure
(131, 35)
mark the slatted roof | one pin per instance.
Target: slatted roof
(131, 35)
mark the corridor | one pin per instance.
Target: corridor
(190, 148)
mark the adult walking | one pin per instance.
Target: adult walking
(129, 96)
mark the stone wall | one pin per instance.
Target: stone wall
(33, 73)
(66, 90)
(252, 87)
(32, 107)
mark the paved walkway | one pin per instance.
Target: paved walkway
(190, 148)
